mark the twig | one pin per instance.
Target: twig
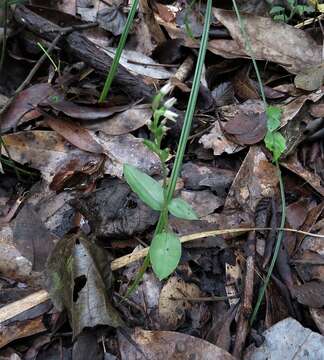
(7, 312)
(246, 306)
(130, 258)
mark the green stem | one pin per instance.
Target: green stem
(282, 190)
(248, 47)
(4, 41)
(121, 45)
(277, 247)
(191, 105)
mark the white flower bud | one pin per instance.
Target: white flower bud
(166, 88)
(170, 102)
(170, 115)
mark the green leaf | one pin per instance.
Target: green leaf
(151, 145)
(181, 209)
(273, 117)
(276, 10)
(165, 254)
(147, 189)
(276, 143)
(281, 17)
(291, 3)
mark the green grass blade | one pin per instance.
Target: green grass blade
(183, 140)
(120, 48)
(191, 105)
(276, 250)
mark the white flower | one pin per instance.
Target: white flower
(170, 102)
(166, 88)
(170, 115)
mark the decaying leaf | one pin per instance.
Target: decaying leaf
(78, 279)
(311, 78)
(256, 179)
(172, 310)
(123, 122)
(295, 50)
(50, 153)
(310, 294)
(114, 211)
(247, 128)
(169, 346)
(140, 64)
(26, 101)
(294, 165)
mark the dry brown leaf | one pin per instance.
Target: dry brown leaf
(218, 142)
(310, 294)
(26, 101)
(75, 134)
(48, 152)
(123, 122)
(168, 345)
(318, 317)
(290, 110)
(172, 312)
(295, 50)
(256, 179)
(294, 165)
(247, 128)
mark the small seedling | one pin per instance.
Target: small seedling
(279, 13)
(165, 249)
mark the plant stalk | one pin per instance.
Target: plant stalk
(162, 223)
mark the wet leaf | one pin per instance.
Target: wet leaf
(181, 209)
(165, 253)
(147, 189)
(78, 280)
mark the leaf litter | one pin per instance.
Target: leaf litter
(67, 213)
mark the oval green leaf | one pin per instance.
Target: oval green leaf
(165, 254)
(181, 209)
(147, 189)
